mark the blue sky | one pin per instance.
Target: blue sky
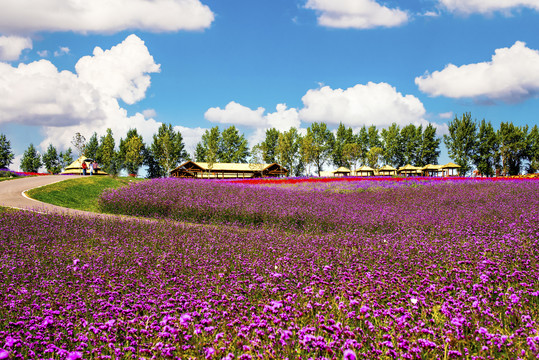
(261, 63)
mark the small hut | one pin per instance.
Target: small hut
(365, 171)
(75, 168)
(409, 170)
(342, 171)
(431, 170)
(204, 170)
(449, 169)
(387, 170)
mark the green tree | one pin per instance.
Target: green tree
(209, 148)
(486, 150)
(66, 158)
(513, 147)
(461, 141)
(352, 153)
(168, 149)
(392, 145)
(288, 152)
(79, 142)
(92, 147)
(6, 155)
(362, 139)
(106, 153)
(234, 146)
(31, 160)
(374, 156)
(131, 151)
(321, 142)
(411, 143)
(374, 137)
(533, 150)
(52, 160)
(343, 137)
(269, 146)
(154, 170)
(429, 148)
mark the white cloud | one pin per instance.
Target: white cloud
(358, 14)
(511, 76)
(11, 47)
(43, 53)
(446, 115)
(62, 51)
(236, 114)
(103, 16)
(65, 102)
(149, 113)
(487, 6)
(371, 104)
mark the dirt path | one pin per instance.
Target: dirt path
(12, 195)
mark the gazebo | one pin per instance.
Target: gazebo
(342, 171)
(408, 170)
(387, 170)
(75, 168)
(449, 169)
(365, 171)
(431, 170)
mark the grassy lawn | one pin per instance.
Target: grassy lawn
(80, 193)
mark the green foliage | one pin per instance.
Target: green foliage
(6, 155)
(209, 148)
(513, 147)
(374, 137)
(131, 152)
(269, 146)
(374, 156)
(106, 153)
(288, 152)
(91, 148)
(66, 158)
(318, 144)
(79, 142)
(429, 148)
(52, 160)
(167, 149)
(392, 145)
(411, 138)
(486, 151)
(533, 150)
(363, 141)
(343, 137)
(352, 154)
(31, 160)
(234, 147)
(461, 141)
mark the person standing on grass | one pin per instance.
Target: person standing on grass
(91, 169)
(94, 166)
(84, 167)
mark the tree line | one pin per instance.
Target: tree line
(509, 150)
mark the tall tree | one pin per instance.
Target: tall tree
(362, 139)
(343, 137)
(374, 137)
(209, 148)
(79, 142)
(66, 158)
(234, 146)
(533, 150)
(411, 143)
(51, 160)
(288, 152)
(322, 140)
(92, 147)
(168, 148)
(269, 146)
(461, 141)
(31, 160)
(6, 155)
(352, 153)
(131, 151)
(154, 170)
(429, 148)
(392, 145)
(374, 156)
(106, 153)
(513, 147)
(484, 156)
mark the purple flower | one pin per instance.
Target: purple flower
(4, 354)
(75, 355)
(349, 355)
(209, 352)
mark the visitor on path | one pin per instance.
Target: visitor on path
(94, 167)
(84, 167)
(91, 169)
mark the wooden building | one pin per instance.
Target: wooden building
(387, 170)
(204, 170)
(365, 171)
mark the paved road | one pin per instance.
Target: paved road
(12, 195)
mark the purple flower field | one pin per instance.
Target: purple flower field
(439, 271)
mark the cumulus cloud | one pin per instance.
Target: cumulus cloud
(358, 14)
(62, 51)
(487, 6)
(11, 47)
(103, 16)
(64, 102)
(370, 104)
(511, 76)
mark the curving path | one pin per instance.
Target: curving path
(12, 195)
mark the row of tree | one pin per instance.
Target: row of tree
(509, 150)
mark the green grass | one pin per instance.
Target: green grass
(80, 193)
